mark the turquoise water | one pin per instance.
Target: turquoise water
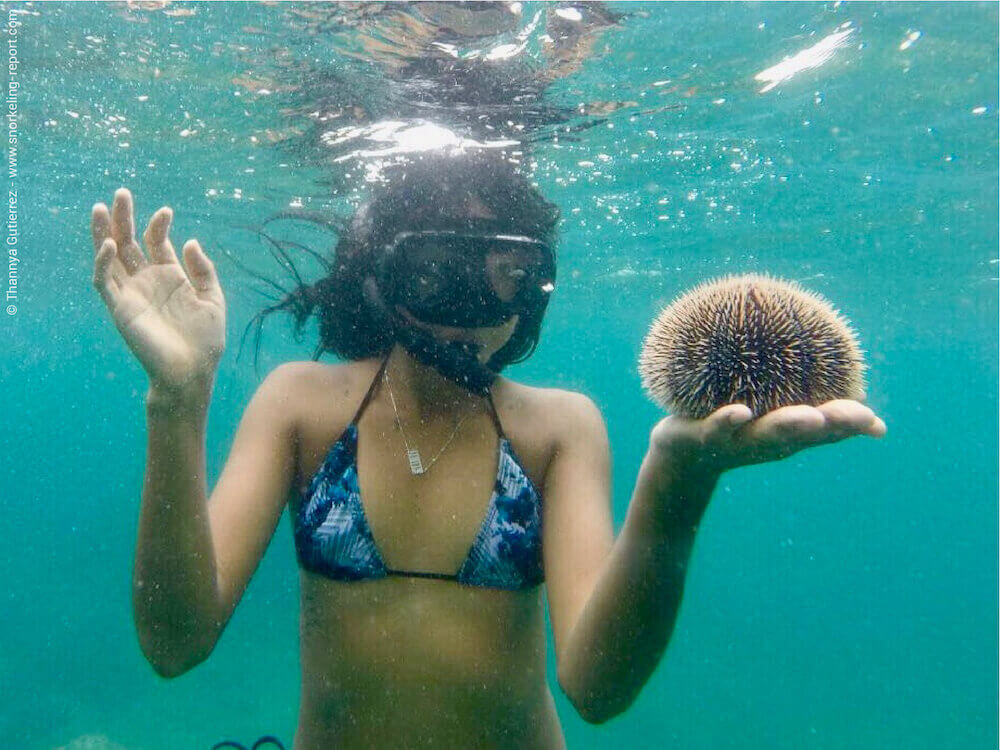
(845, 597)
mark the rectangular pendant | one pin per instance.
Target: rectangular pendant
(416, 466)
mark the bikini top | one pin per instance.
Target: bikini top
(333, 538)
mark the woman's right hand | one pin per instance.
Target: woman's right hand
(173, 321)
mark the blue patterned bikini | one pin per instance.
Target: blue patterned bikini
(333, 538)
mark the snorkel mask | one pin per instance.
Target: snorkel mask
(458, 279)
(465, 280)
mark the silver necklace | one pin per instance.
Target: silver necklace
(412, 454)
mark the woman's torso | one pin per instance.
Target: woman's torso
(412, 662)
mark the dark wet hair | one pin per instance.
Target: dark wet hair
(438, 192)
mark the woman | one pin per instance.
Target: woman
(431, 496)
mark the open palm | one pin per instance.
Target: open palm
(173, 318)
(731, 437)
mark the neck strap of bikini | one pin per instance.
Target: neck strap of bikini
(378, 379)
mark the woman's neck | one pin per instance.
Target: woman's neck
(423, 391)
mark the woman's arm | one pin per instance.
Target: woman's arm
(620, 635)
(175, 598)
(195, 556)
(613, 606)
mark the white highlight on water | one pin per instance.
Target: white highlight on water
(811, 57)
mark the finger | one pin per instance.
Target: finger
(848, 417)
(725, 420)
(870, 424)
(877, 428)
(100, 225)
(200, 270)
(738, 415)
(844, 417)
(157, 237)
(788, 424)
(123, 231)
(122, 221)
(104, 281)
(100, 232)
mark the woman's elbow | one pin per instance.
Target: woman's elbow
(591, 707)
(594, 712)
(172, 659)
(169, 666)
(167, 669)
(174, 642)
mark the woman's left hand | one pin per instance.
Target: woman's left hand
(729, 437)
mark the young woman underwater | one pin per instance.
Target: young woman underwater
(431, 496)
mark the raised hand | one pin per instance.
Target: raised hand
(173, 318)
(729, 438)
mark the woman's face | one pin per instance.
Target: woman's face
(505, 273)
(506, 269)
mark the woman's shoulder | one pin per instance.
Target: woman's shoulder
(561, 410)
(298, 375)
(306, 385)
(546, 397)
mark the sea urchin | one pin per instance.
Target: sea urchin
(749, 339)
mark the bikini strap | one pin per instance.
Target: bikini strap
(494, 414)
(371, 391)
(378, 377)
